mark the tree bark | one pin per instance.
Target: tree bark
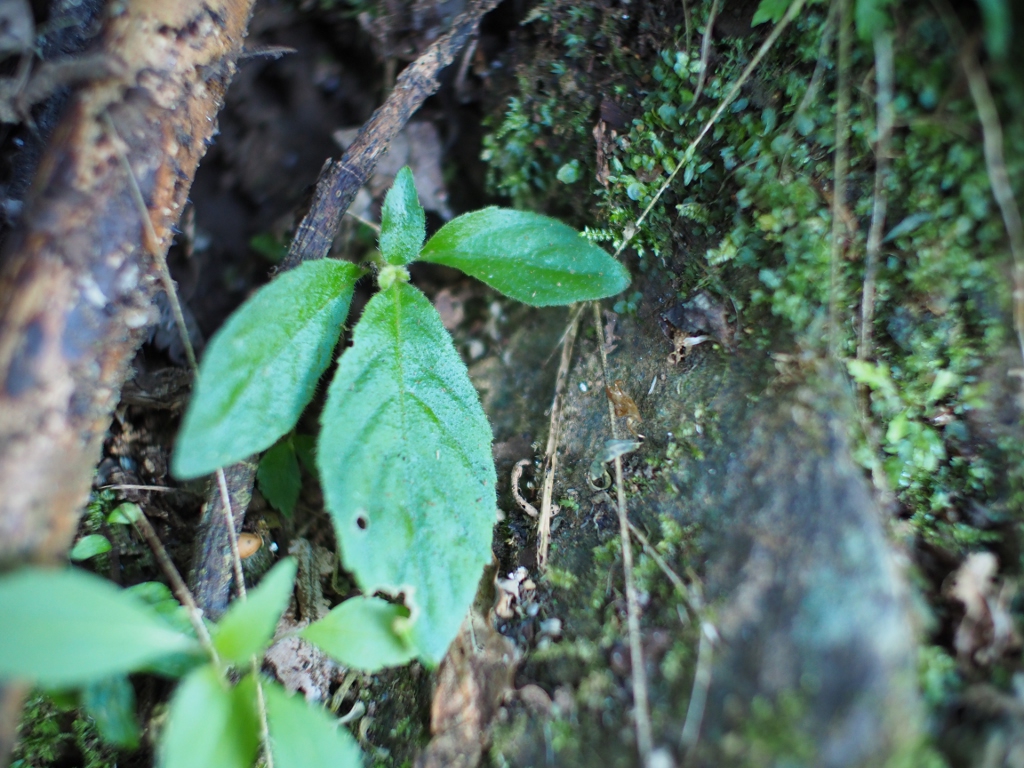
(80, 272)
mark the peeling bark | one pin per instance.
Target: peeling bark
(79, 274)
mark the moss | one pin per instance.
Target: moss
(53, 732)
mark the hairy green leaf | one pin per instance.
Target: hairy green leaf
(303, 735)
(89, 546)
(362, 633)
(405, 462)
(69, 628)
(261, 368)
(998, 22)
(279, 477)
(403, 224)
(211, 723)
(871, 17)
(111, 705)
(532, 258)
(248, 626)
(770, 10)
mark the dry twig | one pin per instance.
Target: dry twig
(641, 706)
(554, 429)
(884, 78)
(841, 169)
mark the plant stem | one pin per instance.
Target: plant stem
(178, 586)
(840, 171)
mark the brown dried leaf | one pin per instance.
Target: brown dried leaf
(986, 633)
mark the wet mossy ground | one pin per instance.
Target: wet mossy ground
(929, 421)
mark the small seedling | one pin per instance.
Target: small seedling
(404, 457)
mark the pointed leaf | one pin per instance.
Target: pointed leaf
(210, 723)
(532, 258)
(111, 705)
(261, 368)
(248, 626)
(68, 628)
(303, 736)
(89, 546)
(402, 221)
(279, 477)
(405, 462)
(361, 633)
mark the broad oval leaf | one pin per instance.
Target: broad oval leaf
(363, 633)
(111, 705)
(304, 735)
(532, 258)
(405, 463)
(89, 546)
(261, 368)
(69, 628)
(249, 624)
(403, 224)
(211, 723)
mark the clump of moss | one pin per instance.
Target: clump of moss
(57, 733)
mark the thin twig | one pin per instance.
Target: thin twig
(554, 430)
(995, 162)
(841, 168)
(884, 78)
(699, 692)
(705, 53)
(641, 706)
(674, 577)
(517, 473)
(178, 586)
(766, 46)
(129, 487)
(686, 24)
(152, 242)
(229, 518)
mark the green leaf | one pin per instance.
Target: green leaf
(211, 723)
(871, 17)
(403, 225)
(405, 462)
(362, 633)
(111, 705)
(89, 546)
(998, 23)
(249, 624)
(261, 368)
(532, 258)
(304, 735)
(875, 376)
(69, 628)
(279, 477)
(124, 514)
(770, 10)
(305, 449)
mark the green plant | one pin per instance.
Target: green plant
(405, 461)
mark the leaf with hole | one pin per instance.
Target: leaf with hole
(302, 735)
(113, 632)
(532, 258)
(402, 221)
(211, 723)
(363, 633)
(405, 461)
(249, 624)
(261, 368)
